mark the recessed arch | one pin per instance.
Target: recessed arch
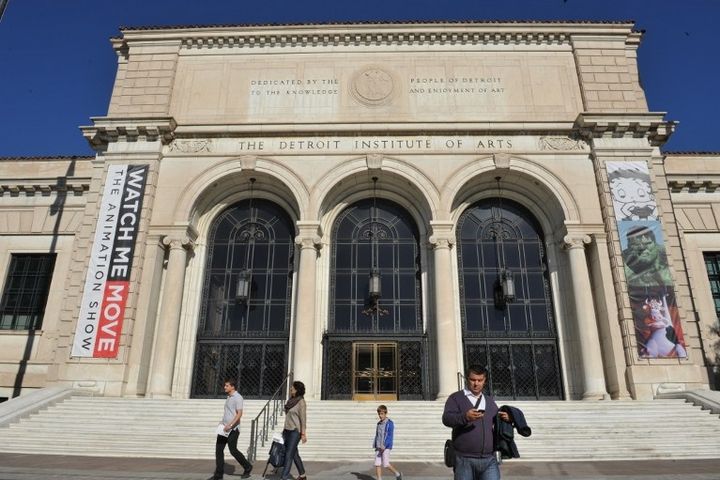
(408, 184)
(228, 179)
(532, 185)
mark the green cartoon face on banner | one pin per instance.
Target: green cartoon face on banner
(644, 254)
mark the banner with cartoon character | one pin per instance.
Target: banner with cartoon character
(650, 285)
(631, 191)
(657, 323)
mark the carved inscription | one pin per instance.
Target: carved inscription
(456, 85)
(294, 87)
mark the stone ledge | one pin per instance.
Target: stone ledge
(650, 125)
(107, 130)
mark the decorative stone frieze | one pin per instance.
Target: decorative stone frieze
(561, 143)
(190, 146)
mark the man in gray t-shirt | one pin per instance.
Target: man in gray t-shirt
(231, 430)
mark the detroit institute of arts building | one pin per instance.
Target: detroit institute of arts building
(368, 208)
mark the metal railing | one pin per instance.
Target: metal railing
(460, 380)
(260, 428)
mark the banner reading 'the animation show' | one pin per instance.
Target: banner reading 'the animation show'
(108, 278)
(650, 287)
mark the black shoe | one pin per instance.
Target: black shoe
(246, 472)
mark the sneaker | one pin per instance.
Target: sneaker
(398, 476)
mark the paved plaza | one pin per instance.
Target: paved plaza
(52, 467)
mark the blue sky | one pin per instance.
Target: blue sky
(57, 67)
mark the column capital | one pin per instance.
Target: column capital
(309, 235)
(576, 240)
(442, 234)
(441, 241)
(314, 242)
(174, 242)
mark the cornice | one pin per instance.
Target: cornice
(344, 39)
(76, 186)
(359, 34)
(109, 130)
(650, 125)
(375, 128)
(693, 184)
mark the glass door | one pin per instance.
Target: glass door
(375, 371)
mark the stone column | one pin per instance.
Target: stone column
(589, 340)
(303, 364)
(446, 325)
(168, 323)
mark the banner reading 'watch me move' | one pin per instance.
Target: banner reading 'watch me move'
(108, 278)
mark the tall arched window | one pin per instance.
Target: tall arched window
(375, 347)
(514, 337)
(244, 335)
(379, 236)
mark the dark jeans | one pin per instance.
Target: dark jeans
(468, 468)
(291, 438)
(231, 440)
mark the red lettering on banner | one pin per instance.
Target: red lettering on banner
(112, 313)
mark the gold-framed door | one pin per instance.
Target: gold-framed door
(375, 371)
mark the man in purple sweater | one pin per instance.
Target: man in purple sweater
(470, 414)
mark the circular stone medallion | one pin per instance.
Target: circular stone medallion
(372, 86)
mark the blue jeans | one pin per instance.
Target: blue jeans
(468, 468)
(291, 438)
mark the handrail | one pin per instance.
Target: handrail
(261, 429)
(461, 380)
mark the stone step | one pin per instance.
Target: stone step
(562, 430)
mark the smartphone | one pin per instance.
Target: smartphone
(481, 410)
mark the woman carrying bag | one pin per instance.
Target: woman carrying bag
(294, 430)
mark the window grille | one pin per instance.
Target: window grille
(26, 290)
(516, 340)
(246, 338)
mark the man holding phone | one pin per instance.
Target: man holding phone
(470, 413)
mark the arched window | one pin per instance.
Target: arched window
(246, 336)
(376, 235)
(375, 347)
(516, 337)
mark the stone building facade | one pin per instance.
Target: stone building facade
(369, 207)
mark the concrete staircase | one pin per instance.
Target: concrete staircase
(343, 431)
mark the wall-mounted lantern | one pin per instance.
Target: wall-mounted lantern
(242, 294)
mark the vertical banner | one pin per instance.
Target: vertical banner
(650, 286)
(108, 278)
